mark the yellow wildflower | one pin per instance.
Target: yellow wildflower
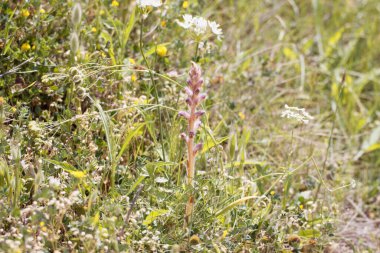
(132, 61)
(163, 23)
(185, 4)
(42, 11)
(25, 47)
(42, 224)
(301, 207)
(161, 51)
(93, 30)
(272, 193)
(101, 12)
(241, 115)
(115, 3)
(133, 78)
(25, 13)
(2, 101)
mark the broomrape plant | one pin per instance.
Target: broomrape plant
(195, 97)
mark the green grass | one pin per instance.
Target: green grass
(91, 158)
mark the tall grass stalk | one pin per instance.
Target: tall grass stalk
(154, 87)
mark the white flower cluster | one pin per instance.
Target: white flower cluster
(146, 3)
(201, 26)
(63, 203)
(296, 113)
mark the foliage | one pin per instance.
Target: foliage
(91, 158)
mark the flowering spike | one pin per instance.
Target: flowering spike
(194, 84)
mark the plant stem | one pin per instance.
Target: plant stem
(331, 133)
(154, 87)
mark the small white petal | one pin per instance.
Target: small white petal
(161, 180)
(145, 3)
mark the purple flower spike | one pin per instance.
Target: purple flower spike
(194, 97)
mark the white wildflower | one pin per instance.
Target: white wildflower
(353, 183)
(201, 26)
(296, 113)
(187, 21)
(161, 180)
(146, 3)
(215, 28)
(54, 182)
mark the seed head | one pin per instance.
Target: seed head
(76, 14)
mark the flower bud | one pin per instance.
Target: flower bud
(202, 96)
(197, 147)
(188, 91)
(184, 114)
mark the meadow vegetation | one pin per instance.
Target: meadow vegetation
(106, 147)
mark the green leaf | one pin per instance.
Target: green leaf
(137, 183)
(68, 168)
(136, 132)
(106, 123)
(309, 233)
(370, 144)
(247, 162)
(152, 216)
(373, 147)
(62, 165)
(210, 143)
(128, 29)
(233, 204)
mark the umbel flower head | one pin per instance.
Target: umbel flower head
(201, 27)
(147, 3)
(296, 113)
